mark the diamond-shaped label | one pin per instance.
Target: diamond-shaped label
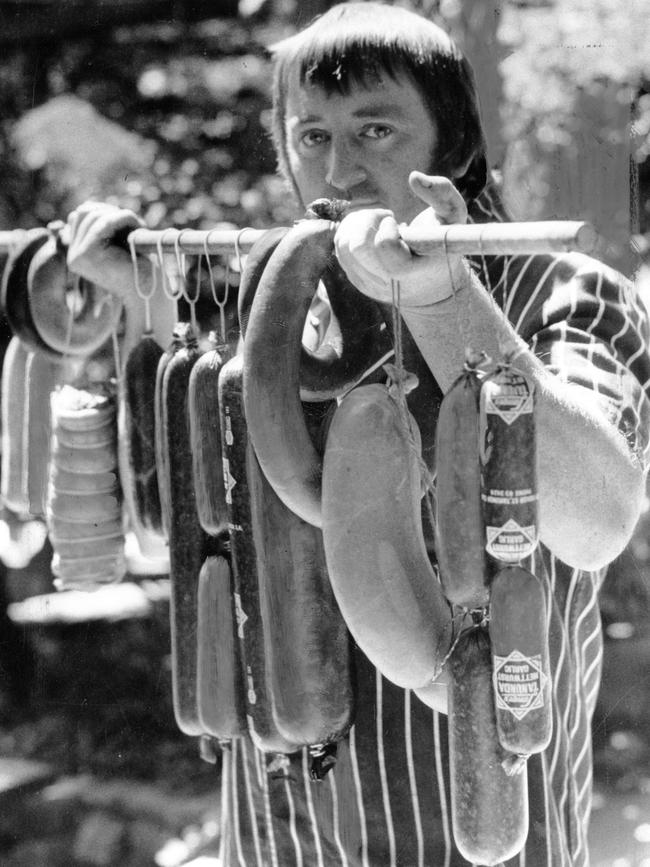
(511, 400)
(510, 542)
(518, 683)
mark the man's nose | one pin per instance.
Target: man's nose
(345, 170)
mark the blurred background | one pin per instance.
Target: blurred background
(163, 106)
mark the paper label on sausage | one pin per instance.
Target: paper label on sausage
(228, 480)
(240, 615)
(228, 432)
(512, 399)
(519, 683)
(511, 543)
(509, 496)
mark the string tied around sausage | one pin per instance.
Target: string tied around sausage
(401, 382)
(480, 617)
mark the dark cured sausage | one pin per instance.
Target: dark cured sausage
(256, 261)
(14, 299)
(205, 436)
(272, 359)
(460, 533)
(140, 433)
(14, 440)
(188, 542)
(508, 465)
(522, 676)
(489, 807)
(239, 463)
(387, 591)
(42, 374)
(337, 366)
(160, 447)
(220, 690)
(272, 348)
(306, 640)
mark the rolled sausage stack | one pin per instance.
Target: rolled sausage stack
(84, 510)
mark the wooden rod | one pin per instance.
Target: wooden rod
(472, 239)
(467, 240)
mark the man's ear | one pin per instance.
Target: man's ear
(461, 171)
(472, 176)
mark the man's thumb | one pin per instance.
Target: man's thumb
(440, 193)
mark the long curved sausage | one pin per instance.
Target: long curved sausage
(387, 591)
(336, 366)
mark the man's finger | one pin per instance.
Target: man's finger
(392, 252)
(100, 227)
(440, 193)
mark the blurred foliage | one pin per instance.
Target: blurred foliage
(565, 48)
(196, 95)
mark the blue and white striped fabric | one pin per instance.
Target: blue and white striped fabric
(386, 802)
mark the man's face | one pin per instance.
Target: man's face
(360, 146)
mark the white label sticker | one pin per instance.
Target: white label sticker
(228, 480)
(510, 542)
(240, 615)
(252, 697)
(228, 436)
(518, 683)
(509, 497)
(510, 401)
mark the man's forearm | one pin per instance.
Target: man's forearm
(590, 487)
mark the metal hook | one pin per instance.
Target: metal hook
(213, 288)
(221, 303)
(180, 262)
(238, 249)
(144, 296)
(166, 286)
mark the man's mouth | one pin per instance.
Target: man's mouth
(336, 209)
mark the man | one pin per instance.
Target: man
(375, 105)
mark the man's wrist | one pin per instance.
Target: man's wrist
(457, 279)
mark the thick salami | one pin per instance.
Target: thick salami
(508, 465)
(489, 806)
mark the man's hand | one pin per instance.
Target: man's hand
(89, 234)
(370, 249)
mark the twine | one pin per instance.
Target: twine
(480, 618)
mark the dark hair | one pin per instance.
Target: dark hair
(354, 44)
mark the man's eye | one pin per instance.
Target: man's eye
(313, 137)
(376, 130)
